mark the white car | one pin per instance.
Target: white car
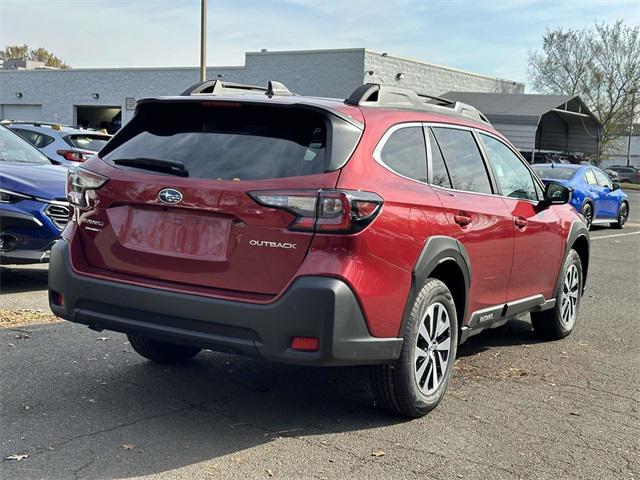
(68, 146)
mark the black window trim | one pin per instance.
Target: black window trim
(495, 187)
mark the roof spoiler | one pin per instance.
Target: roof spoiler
(218, 87)
(389, 96)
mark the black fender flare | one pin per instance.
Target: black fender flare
(578, 229)
(436, 250)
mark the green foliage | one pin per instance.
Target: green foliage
(38, 54)
(601, 64)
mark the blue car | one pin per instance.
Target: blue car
(594, 194)
(33, 206)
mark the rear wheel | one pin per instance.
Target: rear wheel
(587, 213)
(415, 383)
(161, 352)
(623, 216)
(559, 321)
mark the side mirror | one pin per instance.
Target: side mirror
(615, 185)
(556, 194)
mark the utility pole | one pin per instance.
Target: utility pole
(203, 40)
(633, 110)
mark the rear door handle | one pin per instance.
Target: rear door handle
(462, 220)
(521, 222)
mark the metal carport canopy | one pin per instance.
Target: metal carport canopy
(538, 122)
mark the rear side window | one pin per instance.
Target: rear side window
(93, 143)
(233, 141)
(405, 153)
(590, 178)
(38, 140)
(464, 162)
(439, 174)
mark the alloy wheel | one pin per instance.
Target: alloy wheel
(432, 351)
(587, 213)
(624, 214)
(570, 293)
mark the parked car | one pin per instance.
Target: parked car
(380, 230)
(33, 207)
(612, 174)
(61, 143)
(600, 200)
(628, 174)
(547, 157)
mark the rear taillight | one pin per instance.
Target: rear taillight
(75, 155)
(324, 211)
(81, 181)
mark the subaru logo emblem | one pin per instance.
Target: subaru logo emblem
(170, 196)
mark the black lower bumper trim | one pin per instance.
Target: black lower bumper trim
(320, 307)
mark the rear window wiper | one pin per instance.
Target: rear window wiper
(172, 167)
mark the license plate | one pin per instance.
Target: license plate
(173, 233)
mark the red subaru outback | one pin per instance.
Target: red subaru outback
(380, 230)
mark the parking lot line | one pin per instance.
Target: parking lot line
(616, 235)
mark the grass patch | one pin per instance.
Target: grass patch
(19, 317)
(630, 186)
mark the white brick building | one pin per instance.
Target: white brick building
(96, 95)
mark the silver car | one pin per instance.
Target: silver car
(69, 146)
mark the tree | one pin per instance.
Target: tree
(601, 64)
(38, 54)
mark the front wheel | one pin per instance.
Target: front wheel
(414, 384)
(623, 216)
(559, 321)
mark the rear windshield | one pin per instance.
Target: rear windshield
(554, 173)
(93, 143)
(226, 140)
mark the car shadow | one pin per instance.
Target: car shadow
(100, 411)
(17, 279)
(514, 332)
(89, 407)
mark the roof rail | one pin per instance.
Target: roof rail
(218, 87)
(389, 96)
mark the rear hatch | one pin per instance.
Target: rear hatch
(177, 206)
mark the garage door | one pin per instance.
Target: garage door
(21, 112)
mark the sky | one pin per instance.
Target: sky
(491, 37)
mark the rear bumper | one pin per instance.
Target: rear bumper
(320, 307)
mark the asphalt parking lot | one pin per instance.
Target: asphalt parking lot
(82, 404)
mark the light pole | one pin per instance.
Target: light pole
(633, 107)
(203, 40)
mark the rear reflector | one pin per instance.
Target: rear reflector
(57, 298)
(305, 344)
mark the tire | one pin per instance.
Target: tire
(161, 352)
(587, 213)
(623, 216)
(559, 321)
(407, 387)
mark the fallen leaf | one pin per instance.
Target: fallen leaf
(17, 457)
(128, 446)
(378, 453)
